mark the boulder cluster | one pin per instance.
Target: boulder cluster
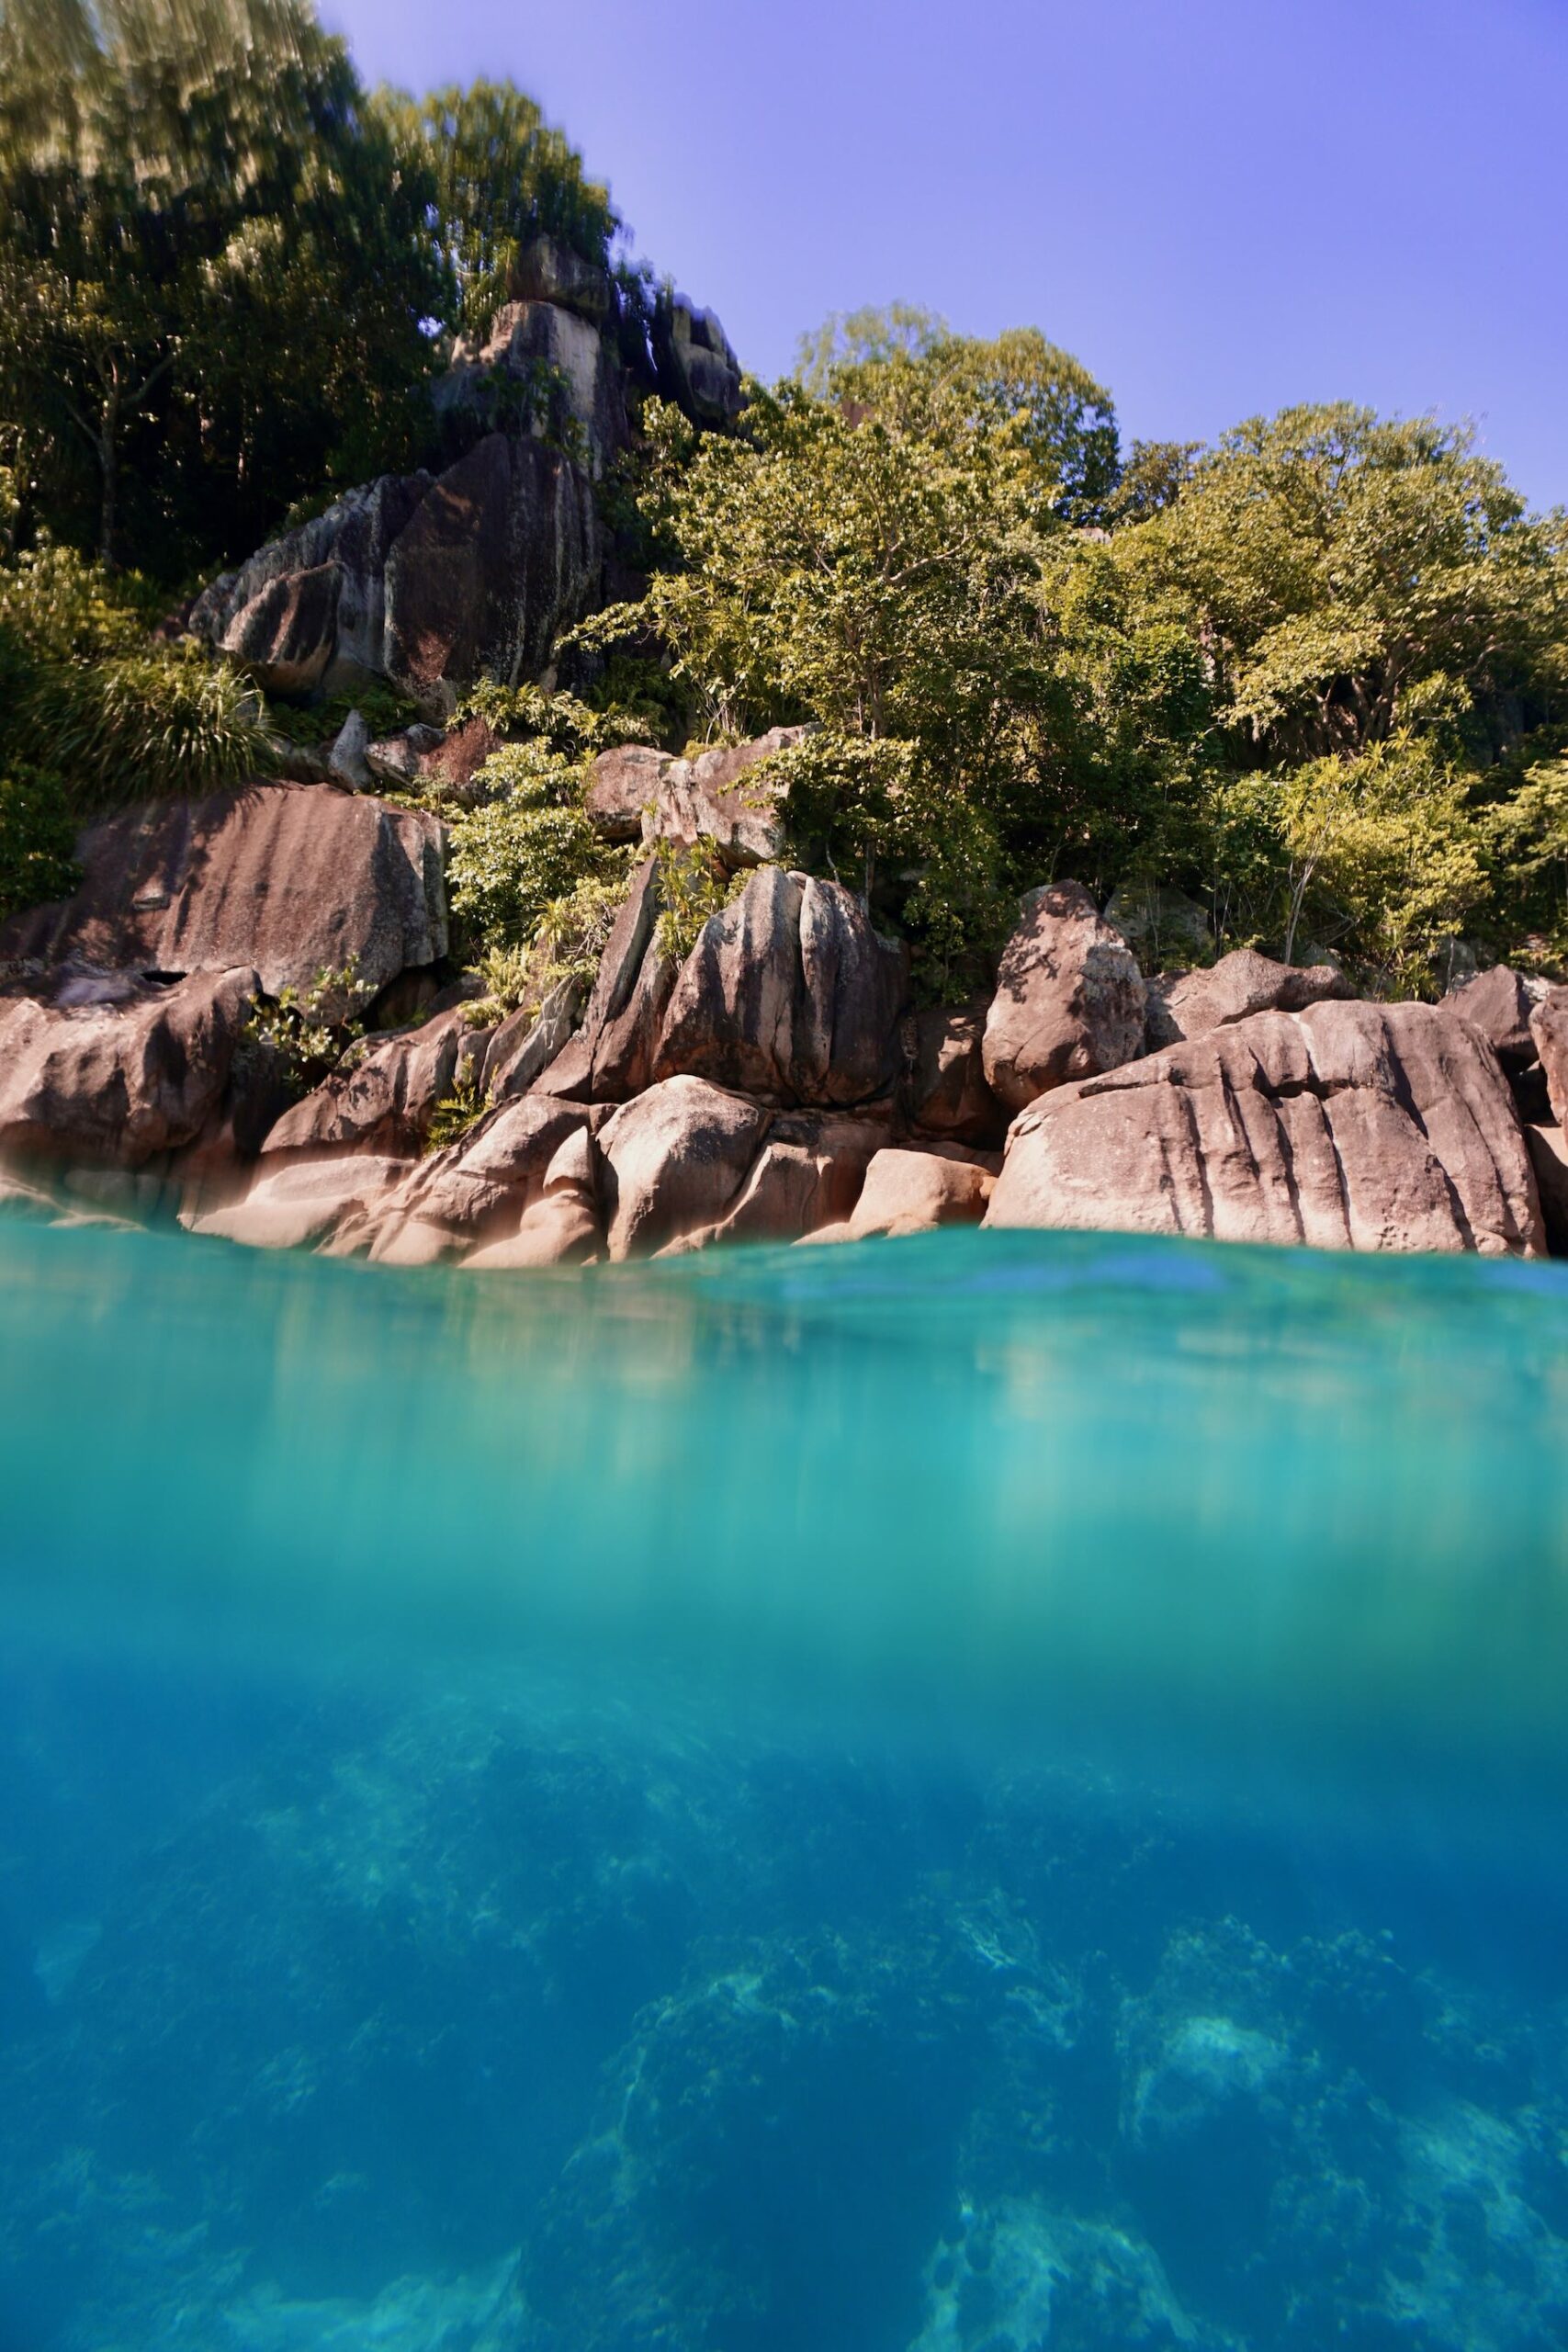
(775, 1082)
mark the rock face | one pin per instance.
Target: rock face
(422, 581)
(915, 1192)
(1233, 989)
(642, 794)
(788, 995)
(1356, 1126)
(1548, 1027)
(1069, 999)
(502, 551)
(118, 1084)
(382, 1099)
(429, 580)
(291, 878)
(674, 1161)
(947, 1091)
(694, 363)
(612, 1054)
(474, 1193)
(1548, 1157)
(1498, 1003)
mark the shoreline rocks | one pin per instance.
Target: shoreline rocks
(773, 1085)
(1357, 1126)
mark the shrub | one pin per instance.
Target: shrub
(36, 839)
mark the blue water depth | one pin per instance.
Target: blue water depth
(996, 1793)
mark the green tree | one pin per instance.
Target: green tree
(1067, 422)
(501, 176)
(1351, 577)
(216, 269)
(989, 706)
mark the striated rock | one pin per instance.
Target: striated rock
(1069, 999)
(806, 1176)
(1237, 986)
(119, 1083)
(291, 878)
(425, 582)
(1548, 1157)
(1347, 1126)
(474, 1191)
(296, 1204)
(788, 994)
(948, 1095)
(676, 1161)
(694, 363)
(537, 358)
(502, 552)
(308, 611)
(525, 1044)
(1548, 1027)
(382, 1097)
(612, 1054)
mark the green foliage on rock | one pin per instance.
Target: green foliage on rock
(1316, 677)
(303, 1035)
(501, 176)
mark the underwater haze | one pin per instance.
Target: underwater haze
(989, 1793)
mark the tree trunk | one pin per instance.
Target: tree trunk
(108, 467)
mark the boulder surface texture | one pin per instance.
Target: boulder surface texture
(1069, 1001)
(293, 879)
(117, 1084)
(1360, 1127)
(788, 995)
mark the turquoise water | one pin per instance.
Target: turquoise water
(964, 1795)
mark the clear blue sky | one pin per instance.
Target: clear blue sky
(1219, 205)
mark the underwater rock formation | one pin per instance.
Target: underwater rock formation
(465, 2023)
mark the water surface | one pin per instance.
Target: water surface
(966, 1795)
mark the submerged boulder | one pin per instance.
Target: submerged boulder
(295, 879)
(1069, 999)
(117, 1084)
(788, 995)
(1359, 1127)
